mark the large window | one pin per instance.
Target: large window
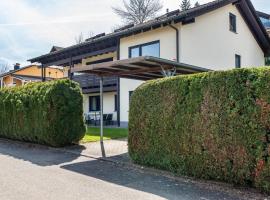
(237, 61)
(265, 21)
(148, 49)
(94, 103)
(233, 23)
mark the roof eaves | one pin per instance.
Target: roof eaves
(262, 14)
(265, 44)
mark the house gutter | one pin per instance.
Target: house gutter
(177, 42)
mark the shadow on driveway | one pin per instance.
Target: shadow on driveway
(36, 154)
(155, 184)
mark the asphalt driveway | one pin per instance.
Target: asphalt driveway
(36, 172)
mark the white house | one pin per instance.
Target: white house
(219, 35)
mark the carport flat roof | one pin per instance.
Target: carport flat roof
(140, 68)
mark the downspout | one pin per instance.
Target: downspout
(118, 86)
(177, 42)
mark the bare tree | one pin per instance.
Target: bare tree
(138, 11)
(4, 67)
(79, 39)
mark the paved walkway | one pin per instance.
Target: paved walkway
(36, 172)
(115, 150)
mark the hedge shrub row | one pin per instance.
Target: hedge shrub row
(212, 125)
(46, 113)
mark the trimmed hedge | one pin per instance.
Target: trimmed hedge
(48, 113)
(212, 125)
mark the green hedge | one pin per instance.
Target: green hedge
(212, 125)
(46, 113)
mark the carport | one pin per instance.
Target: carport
(140, 68)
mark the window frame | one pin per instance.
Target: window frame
(267, 61)
(238, 58)
(233, 27)
(130, 95)
(140, 46)
(90, 103)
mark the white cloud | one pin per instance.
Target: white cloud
(29, 30)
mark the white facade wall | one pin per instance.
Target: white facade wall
(126, 85)
(210, 44)
(108, 103)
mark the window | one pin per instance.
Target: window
(237, 61)
(267, 61)
(130, 95)
(265, 21)
(232, 22)
(134, 52)
(148, 49)
(94, 103)
(115, 103)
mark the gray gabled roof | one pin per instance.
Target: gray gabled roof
(244, 6)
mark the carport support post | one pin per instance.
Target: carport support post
(101, 109)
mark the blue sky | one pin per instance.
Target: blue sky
(29, 28)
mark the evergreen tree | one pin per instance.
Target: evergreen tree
(185, 5)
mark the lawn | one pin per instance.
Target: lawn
(93, 134)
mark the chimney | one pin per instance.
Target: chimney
(17, 66)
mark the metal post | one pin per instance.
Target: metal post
(71, 65)
(101, 109)
(42, 72)
(118, 102)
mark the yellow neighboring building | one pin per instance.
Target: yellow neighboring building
(32, 73)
